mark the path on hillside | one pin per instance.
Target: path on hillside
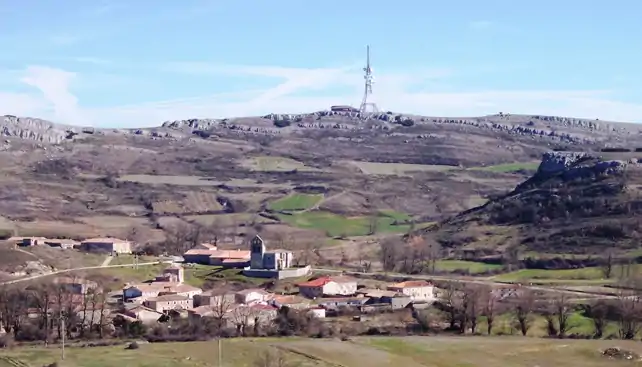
(82, 268)
(107, 261)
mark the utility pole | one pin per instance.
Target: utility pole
(64, 331)
(220, 359)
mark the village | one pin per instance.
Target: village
(168, 297)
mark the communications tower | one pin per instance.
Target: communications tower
(367, 108)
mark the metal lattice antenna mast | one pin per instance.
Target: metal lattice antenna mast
(367, 108)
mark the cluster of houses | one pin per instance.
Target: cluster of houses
(101, 244)
(167, 295)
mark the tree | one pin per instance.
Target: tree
(607, 266)
(242, 316)
(523, 310)
(563, 311)
(373, 223)
(182, 237)
(388, 253)
(473, 305)
(598, 312)
(434, 253)
(489, 309)
(628, 308)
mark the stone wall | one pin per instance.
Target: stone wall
(277, 274)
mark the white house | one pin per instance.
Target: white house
(248, 296)
(417, 290)
(328, 286)
(143, 314)
(144, 291)
(113, 245)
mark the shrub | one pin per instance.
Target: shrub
(282, 123)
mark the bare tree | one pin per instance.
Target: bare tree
(373, 223)
(182, 237)
(598, 313)
(388, 253)
(563, 311)
(221, 306)
(451, 298)
(628, 307)
(489, 309)
(242, 317)
(607, 266)
(524, 306)
(473, 302)
(433, 252)
(511, 257)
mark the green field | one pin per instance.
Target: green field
(438, 351)
(510, 167)
(295, 202)
(336, 225)
(591, 273)
(471, 266)
(197, 275)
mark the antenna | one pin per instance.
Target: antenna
(367, 108)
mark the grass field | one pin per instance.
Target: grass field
(193, 181)
(197, 275)
(296, 202)
(275, 164)
(471, 266)
(336, 225)
(592, 273)
(397, 169)
(510, 167)
(437, 351)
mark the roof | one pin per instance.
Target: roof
(377, 293)
(289, 299)
(163, 287)
(262, 307)
(103, 239)
(219, 254)
(168, 297)
(245, 292)
(411, 284)
(342, 299)
(320, 282)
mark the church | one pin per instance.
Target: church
(268, 260)
(272, 264)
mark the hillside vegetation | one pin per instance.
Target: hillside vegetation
(575, 203)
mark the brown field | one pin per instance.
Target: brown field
(377, 352)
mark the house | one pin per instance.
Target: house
(328, 286)
(229, 258)
(214, 298)
(290, 301)
(172, 274)
(317, 312)
(32, 241)
(248, 296)
(144, 291)
(169, 302)
(143, 314)
(333, 303)
(249, 315)
(417, 290)
(112, 245)
(75, 286)
(63, 244)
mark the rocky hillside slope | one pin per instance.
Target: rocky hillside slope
(575, 203)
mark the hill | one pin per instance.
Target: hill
(319, 177)
(575, 203)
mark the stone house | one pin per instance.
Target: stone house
(75, 286)
(108, 244)
(169, 302)
(417, 290)
(214, 298)
(32, 241)
(143, 314)
(328, 286)
(290, 301)
(248, 296)
(144, 291)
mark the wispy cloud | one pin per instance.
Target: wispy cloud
(296, 90)
(91, 60)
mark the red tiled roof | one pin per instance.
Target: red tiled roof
(320, 282)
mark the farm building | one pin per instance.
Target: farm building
(227, 258)
(169, 302)
(108, 244)
(328, 286)
(417, 290)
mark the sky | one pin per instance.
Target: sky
(138, 63)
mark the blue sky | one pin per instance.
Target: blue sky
(139, 63)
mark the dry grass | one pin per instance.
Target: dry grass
(377, 352)
(275, 164)
(397, 169)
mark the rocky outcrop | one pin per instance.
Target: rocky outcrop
(35, 129)
(575, 165)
